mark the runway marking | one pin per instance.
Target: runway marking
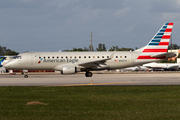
(97, 84)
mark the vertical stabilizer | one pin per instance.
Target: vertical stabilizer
(158, 44)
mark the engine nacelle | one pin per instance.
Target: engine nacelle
(68, 70)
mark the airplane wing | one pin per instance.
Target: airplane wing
(175, 66)
(168, 55)
(96, 63)
(93, 63)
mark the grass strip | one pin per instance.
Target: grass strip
(90, 102)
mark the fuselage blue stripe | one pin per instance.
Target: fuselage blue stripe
(153, 43)
(155, 40)
(162, 30)
(160, 34)
(158, 37)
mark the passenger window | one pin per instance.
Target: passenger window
(44, 57)
(89, 56)
(84, 56)
(125, 56)
(48, 57)
(107, 56)
(79, 56)
(70, 56)
(57, 57)
(39, 57)
(62, 57)
(116, 56)
(93, 56)
(120, 56)
(53, 57)
(97, 56)
(75, 57)
(66, 57)
(102, 56)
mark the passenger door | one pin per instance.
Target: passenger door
(31, 58)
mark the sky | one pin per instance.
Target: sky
(53, 25)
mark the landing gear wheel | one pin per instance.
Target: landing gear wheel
(88, 74)
(25, 76)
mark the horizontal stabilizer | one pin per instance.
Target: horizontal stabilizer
(167, 55)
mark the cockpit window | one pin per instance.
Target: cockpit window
(18, 57)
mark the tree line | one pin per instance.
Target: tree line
(101, 47)
(5, 51)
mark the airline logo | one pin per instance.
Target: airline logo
(40, 60)
(159, 43)
(57, 60)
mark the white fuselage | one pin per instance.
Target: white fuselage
(51, 60)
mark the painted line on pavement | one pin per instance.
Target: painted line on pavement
(89, 84)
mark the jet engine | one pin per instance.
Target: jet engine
(69, 70)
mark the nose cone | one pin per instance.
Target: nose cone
(7, 65)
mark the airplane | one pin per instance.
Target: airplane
(162, 66)
(154, 66)
(73, 62)
(4, 60)
(137, 68)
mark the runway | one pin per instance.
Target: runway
(97, 79)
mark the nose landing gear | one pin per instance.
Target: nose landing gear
(25, 72)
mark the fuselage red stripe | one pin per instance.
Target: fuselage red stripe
(155, 50)
(149, 57)
(170, 24)
(163, 43)
(166, 37)
(168, 30)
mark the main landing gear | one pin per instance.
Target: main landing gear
(25, 76)
(88, 74)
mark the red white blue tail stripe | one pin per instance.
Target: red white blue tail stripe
(158, 44)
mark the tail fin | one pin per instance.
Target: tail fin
(158, 44)
(2, 58)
